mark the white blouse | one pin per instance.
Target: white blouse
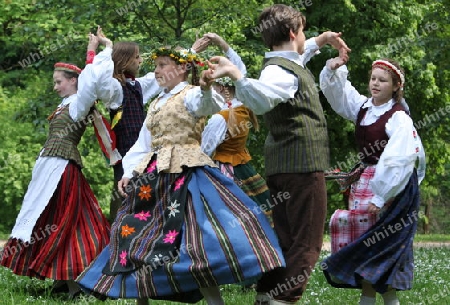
(105, 87)
(216, 129)
(48, 170)
(275, 84)
(198, 102)
(404, 147)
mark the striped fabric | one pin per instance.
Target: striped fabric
(383, 255)
(223, 241)
(67, 237)
(298, 139)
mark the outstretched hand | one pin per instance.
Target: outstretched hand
(334, 63)
(334, 39)
(220, 66)
(93, 42)
(206, 80)
(217, 40)
(102, 39)
(200, 44)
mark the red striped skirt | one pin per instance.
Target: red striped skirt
(67, 237)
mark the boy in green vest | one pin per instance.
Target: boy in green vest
(296, 148)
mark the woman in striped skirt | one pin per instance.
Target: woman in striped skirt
(60, 228)
(184, 228)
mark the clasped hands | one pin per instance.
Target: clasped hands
(219, 66)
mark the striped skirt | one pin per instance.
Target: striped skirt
(383, 255)
(67, 237)
(176, 233)
(251, 183)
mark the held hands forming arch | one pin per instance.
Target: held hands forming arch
(220, 66)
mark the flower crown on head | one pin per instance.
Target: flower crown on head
(182, 56)
(386, 64)
(62, 66)
(225, 81)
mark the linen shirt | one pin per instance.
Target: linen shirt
(404, 147)
(275, 85)
(198, 102)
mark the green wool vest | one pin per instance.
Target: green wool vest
(64, 136)
(298, 139)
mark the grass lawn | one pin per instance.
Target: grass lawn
(431, 286)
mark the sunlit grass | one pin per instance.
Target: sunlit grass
(431, 286)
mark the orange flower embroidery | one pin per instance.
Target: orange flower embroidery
(145, 192)
(126, 230)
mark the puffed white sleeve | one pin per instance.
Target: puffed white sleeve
(339, 92)
(150, 87)
(96, 82)
(274, 86)
(310, 49)
(202, 102)
(234, 57)
(137, 152)
(213, 134)
(398, 159)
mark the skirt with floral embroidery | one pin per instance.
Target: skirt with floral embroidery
(176, 233)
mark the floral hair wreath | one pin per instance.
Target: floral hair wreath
(182, 56)
(62, 66)
(225, 81)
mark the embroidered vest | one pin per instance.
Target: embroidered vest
(176, 136)
(64, 136)
(233, 150)
(372, 139)
(133, 116)
(298, 139)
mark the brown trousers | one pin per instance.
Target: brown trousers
(299, 211)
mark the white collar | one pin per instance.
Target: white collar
(175, 89)
(291, 55)
(378, 110)
(234, 103)
(67, 100)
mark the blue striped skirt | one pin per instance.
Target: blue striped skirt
(176, 233)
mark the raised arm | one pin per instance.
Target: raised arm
(341, 95)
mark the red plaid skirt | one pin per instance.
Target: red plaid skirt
(347, 225)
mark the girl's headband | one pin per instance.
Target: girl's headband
(62, 66)
(386, 64)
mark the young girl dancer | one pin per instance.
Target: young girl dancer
(60, 228)
(381, 259)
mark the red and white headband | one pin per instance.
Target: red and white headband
(62, 66)
(386, 64)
